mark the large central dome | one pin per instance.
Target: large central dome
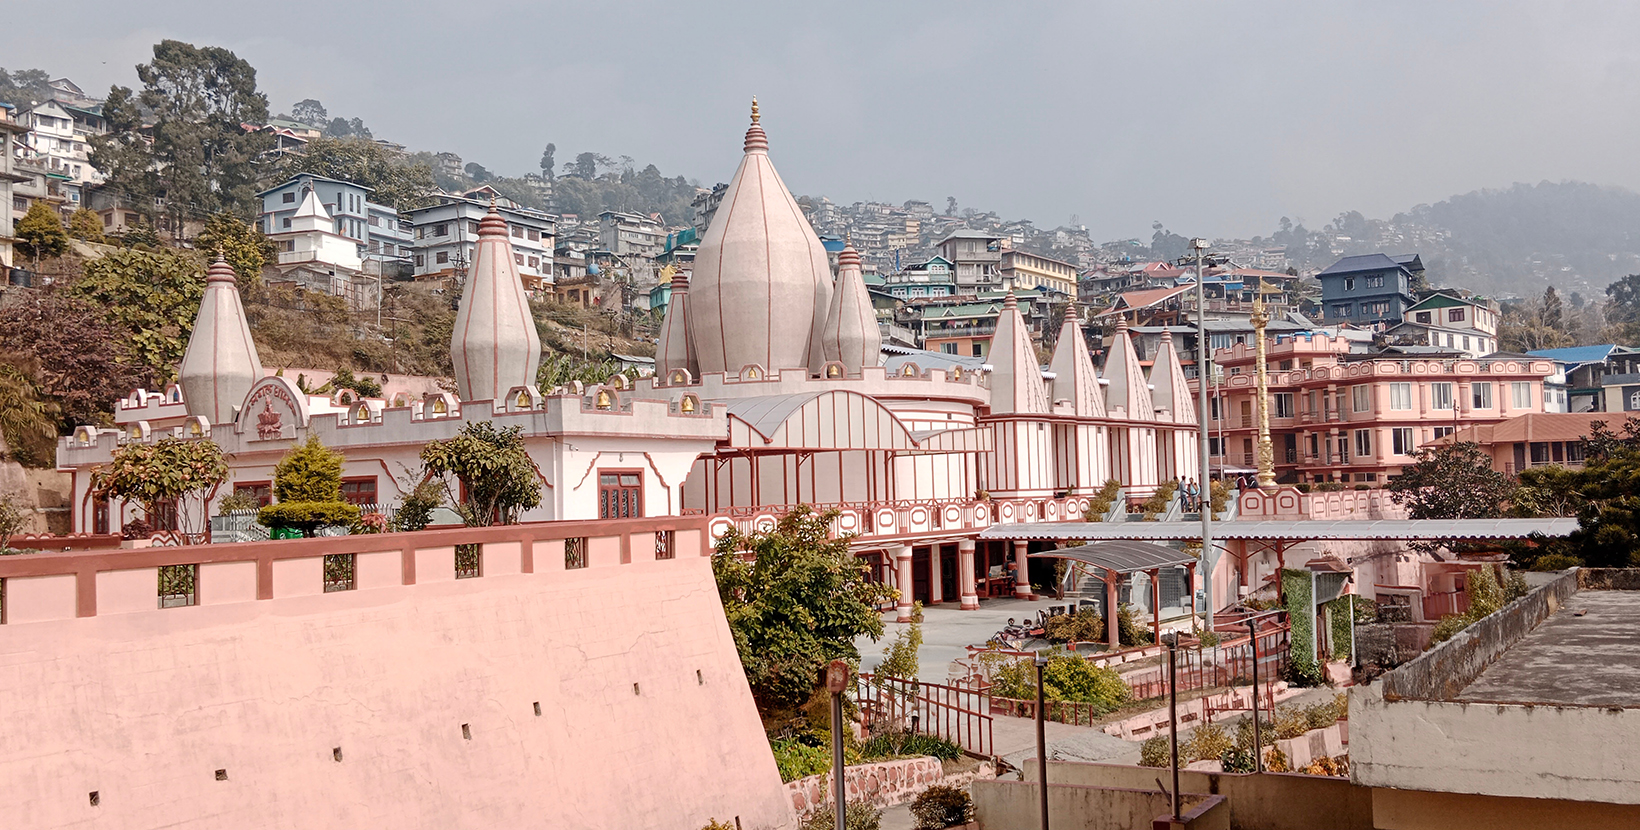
(761, 285)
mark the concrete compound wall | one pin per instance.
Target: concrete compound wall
(1015, 805)
(399, 706)
(881, 784)
(1272, 801)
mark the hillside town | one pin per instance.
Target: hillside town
(349, 484)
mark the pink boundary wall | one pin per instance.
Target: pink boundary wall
(646, 719)
(882, 784)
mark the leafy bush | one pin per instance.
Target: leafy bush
(1290, 722)
(1102, 501)
(1207, 742)
(308, 516)
(797, 760)
(1221, 497)
(1329, 766)
(906, 743)
(237, 501)
(1448, 627)
(1276, 761)
(1159, 501)
(1066, 677)
(857, 815)
(1485, 597)
(371, 523)
(1085, 626)
(1155, 752)
(941, 806)
(1244, 733)
(416, 511)
(308, 484)
(1320, 715)
(1555, 562)
(1130, 631)
(714, 824)
(1237, 760)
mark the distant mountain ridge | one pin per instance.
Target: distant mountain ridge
(1513, 241)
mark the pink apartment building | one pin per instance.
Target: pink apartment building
(1353, 417)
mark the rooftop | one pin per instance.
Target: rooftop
(1585, 654)
(1582, 354)
(1373, 262)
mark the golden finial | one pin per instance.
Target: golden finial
(754, 109)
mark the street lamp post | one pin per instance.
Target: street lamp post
(1173, 712)
(1204, 373)
(1041, 662)
(1252, 643)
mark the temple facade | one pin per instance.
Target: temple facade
(772, 390)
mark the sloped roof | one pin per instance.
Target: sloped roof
(1582, 354)
(1371, 262)
(1143, 298)
(1121, 556)
(1536, 426)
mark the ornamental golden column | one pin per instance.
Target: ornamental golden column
(1266, 451)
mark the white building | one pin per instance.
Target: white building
(59, 140)
(447, 233)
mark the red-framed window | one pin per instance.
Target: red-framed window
(165, 516)
(360, 491)
(620, 494)
(99, 516)
(262, 491)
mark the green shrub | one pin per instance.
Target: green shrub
(1449, 626)
(1290, 722)
(1303, 672)
(1555, 562)
(1155, 752)
(416, 511)
(1236, 760)
(1159, 501)
(1320, 715)
(906, 743)
(1084, 626)
(1276, 761)
(1066, 677)
(941, 806)
(307, 481)
(1130, 631)
(857, 816)
(1102, 501)
(1207, 742)
(797, 760)
(1244, 732)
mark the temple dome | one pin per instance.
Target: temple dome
(494, 345)
(221, 362)
(851, 336)
(761, 284)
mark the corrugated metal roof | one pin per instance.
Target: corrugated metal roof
(1384, 529)
(1120, 557)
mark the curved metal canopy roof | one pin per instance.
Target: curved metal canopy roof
(1120, 557)
(1270, 529)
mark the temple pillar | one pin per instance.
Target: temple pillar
(1113, 629)
(936, 586)
(1022, 573)
(965, 573)
(902, 581)
(1155, 604)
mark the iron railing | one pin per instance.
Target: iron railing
(177, 585)
(956, 714)
(469, 561)
(339, 572)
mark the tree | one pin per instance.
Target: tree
(165, 470)
(85, 225)
(585, 166)
(497, 476)
(398, 183)
(950, 206)
(1608, 487)
(241, 243)
(153, 297)
(546, 160)
(310, 112)
(40, 232)
(199, 98)
(76, 359)
(307, 484)
(1554, 311)
(125, 155)
(1623, 307)
(1452, 481)
(795, 598)
(1526, 325)
(347, 128)
(28, 420)
(477, 173)
(22, 86)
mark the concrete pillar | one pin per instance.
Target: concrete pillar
(1022, 574)
(1113, 635)
(936, 585)
(965, 575)
(902, 581)
(1155, 603)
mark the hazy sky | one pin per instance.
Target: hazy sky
(1214, 118)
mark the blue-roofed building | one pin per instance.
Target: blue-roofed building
(1371, 290)
(1601, 378)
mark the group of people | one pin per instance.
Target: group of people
(1190, 495)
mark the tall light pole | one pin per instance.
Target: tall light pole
(1204, 373)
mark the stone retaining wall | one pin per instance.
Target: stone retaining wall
(883, 784)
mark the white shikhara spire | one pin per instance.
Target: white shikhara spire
(494, 345)
(221, 362)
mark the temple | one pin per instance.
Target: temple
(772, 390)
